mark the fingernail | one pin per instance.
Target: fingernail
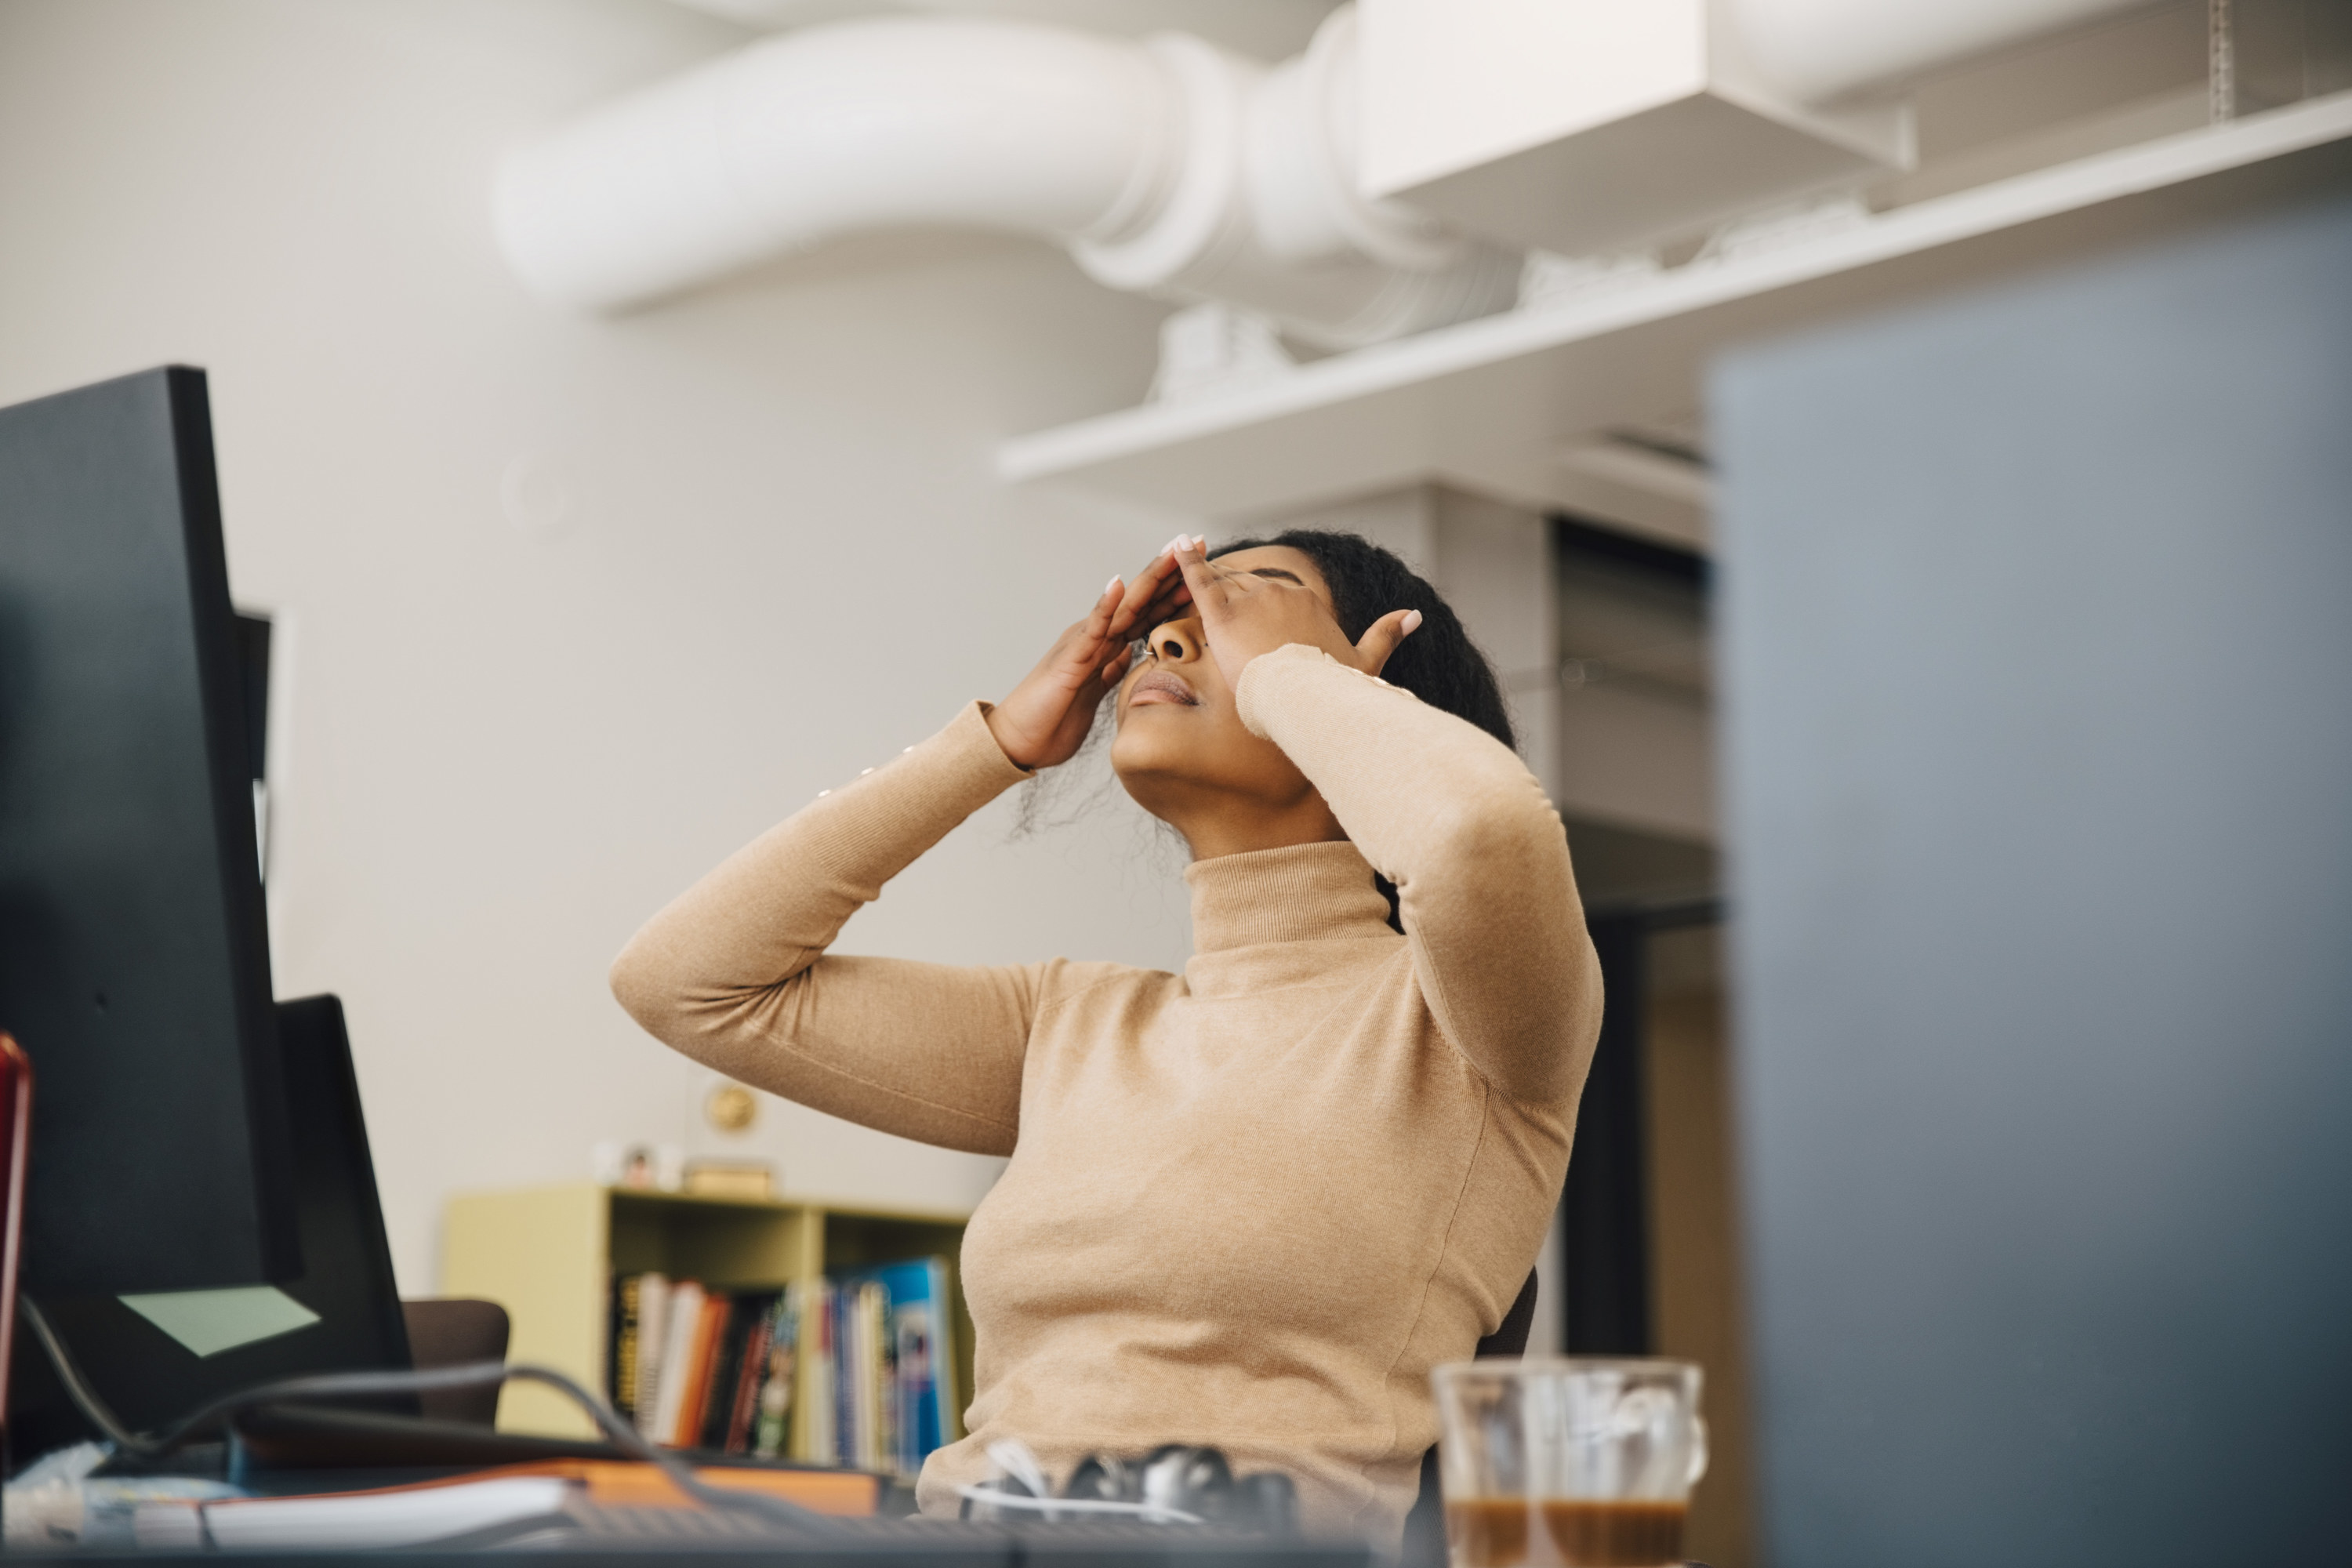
(1172, 546)
(1113, 585)
(1199, 542)
(1411, 622)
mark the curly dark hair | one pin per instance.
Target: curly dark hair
(1438, 663)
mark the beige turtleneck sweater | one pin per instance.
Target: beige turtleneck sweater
(1250, 1205)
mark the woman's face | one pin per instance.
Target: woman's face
(1181, 750)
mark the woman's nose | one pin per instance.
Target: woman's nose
(1176, 642)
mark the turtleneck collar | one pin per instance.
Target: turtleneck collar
(1302, 892)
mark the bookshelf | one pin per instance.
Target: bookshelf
(549, 1255)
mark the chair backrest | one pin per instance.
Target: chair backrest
(452, 1332)
(1425, 1527)
(1510, 1335)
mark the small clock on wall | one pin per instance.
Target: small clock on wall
(730, 1107)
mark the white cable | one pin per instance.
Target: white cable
(994, 1498)
(1016, 1460)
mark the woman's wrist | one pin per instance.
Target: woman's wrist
(1009, 745)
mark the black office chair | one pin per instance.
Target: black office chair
(1425, 1527)
(450, 1331)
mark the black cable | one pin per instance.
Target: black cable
(85, 1398)
(356, 1384)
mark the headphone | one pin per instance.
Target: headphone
(1176, 1483)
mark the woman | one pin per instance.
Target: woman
(1253, 1203)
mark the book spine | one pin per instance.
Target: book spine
(915, 1391)
(743, 1406)
(885, 1374)
(779, 1384)
(808, 1434)
(828, 1408)
(685, 1318)
(653, 1337)
(849, 1376)
(737, 1401)
(750, 1370)
(848, 1364)
(710, 1324)
(726, 1365)
(621, 1347)
(841, 1332)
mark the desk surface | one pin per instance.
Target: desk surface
(627, 1539)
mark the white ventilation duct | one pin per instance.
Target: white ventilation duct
(1174, 168)
(1816, 50)
(1168, 166)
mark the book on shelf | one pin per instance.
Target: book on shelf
(735, 1372)
(900, 1362)
(854, 1371)
(673, 1370)
(771, 1416)
(642, 1392)
(816, 1360)
(701, 1360)
(621, 1344)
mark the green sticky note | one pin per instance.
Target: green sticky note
(211, 1321)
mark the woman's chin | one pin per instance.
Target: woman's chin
(1132, 753)
(1151, 761)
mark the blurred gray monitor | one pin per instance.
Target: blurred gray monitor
(2037, 649)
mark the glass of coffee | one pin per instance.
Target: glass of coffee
(1568, 1463)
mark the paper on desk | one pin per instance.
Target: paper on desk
(57, 1502)
(356, 1519)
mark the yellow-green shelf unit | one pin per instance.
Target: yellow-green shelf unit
(549, 1254)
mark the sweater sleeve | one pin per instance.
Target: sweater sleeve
(1479, 858)
(734, 973)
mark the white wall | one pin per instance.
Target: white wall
(762, 548)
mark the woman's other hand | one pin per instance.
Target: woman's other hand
(1045, 719)
(1245, 613)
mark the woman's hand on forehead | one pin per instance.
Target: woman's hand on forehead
(1044, 720)
(1247, 613)
(1158, 593)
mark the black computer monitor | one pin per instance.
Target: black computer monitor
(134, 961)
(152, 1364)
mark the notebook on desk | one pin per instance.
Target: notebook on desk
(617, 1509)
(501, 1505)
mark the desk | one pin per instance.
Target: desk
(877, 1544)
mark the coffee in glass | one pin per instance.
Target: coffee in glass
(1568, 1463)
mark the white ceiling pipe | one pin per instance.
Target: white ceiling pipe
(1168, 166)
(1817, 50)
(1306, 201)
(1266, 212)
(816, 134)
